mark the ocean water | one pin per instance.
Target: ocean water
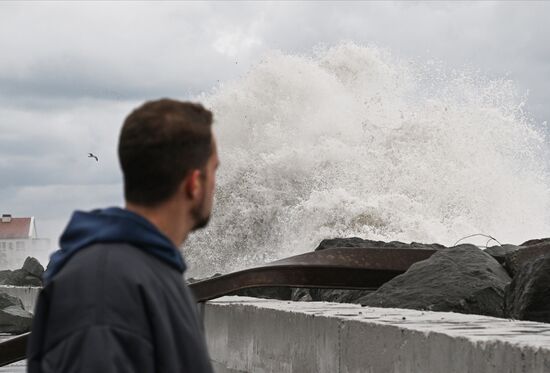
(354, 141)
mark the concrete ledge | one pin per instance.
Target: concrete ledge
(253, 335)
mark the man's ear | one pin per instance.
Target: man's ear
(192, 184)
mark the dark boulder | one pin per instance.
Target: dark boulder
(350, 296)
(4, 275)
(327, 295)
(536, 241)
(330, 243)
(20, 277)
(528, 252)
(499, 252)
(369, 244)
(33, 267)
(13, 317)
(29, 275)
(338, 295)
(301, 295)
(7, 300)
(459, 279)
(528, 295)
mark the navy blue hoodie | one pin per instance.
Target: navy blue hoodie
(115, 301)
(112, 225)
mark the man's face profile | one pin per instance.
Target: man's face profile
(202, 210)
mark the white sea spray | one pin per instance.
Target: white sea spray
(352, 141)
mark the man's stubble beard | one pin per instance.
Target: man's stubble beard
(201, 219)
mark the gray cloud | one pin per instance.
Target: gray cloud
(104, 50)
(139, 50)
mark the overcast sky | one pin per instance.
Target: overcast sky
(70, 72)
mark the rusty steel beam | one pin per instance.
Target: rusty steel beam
(337, 268)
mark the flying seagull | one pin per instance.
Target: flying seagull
(90, 155)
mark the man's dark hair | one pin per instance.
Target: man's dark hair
(160, 143)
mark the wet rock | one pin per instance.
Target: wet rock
(33, 267)
(528, 295)
(4, 275)
(350, 296)
(338, 295)
(301, 295)
(20, 277)
(499, 252)
(13, 318)
(369, 244)
(528, 252)
(29, 275)
(460, 279)
(8, 301)
(536, 241)
(348, 242)
(327, 295)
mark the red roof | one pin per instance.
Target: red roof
(16, 228)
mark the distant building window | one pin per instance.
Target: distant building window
(3, 245)
(10, 245)
(19, 244)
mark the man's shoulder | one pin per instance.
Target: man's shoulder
(101, 285)
(116, 261)
(112, 253)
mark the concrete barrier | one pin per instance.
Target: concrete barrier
(257, 336)
(252, 335)
(27, 294)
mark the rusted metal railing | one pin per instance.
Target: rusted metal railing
(336, 268)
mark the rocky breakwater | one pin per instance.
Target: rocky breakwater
(459, 279)
(14, 319)
(28, 275)
(528, 295)
(509, 281)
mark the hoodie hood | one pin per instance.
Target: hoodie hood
(112, 225)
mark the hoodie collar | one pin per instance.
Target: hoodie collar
(112, 225)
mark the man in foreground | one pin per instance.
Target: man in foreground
(114, 299)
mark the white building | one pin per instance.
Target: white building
(18, 240)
